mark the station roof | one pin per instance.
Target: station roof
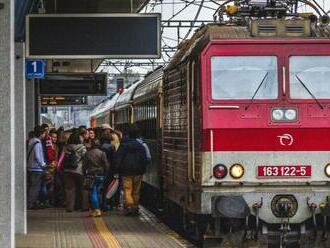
(95, 6)
(23, 8)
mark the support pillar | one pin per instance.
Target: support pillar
(30, 105)
(7, 126)
(20, 137)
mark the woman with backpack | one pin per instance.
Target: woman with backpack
(73, 173)
(95, 167)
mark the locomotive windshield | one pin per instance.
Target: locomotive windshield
(310, 75)
(240, 77)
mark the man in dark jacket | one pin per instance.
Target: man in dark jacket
(131, 162)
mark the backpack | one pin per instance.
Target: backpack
(71, 160)
(146, 149)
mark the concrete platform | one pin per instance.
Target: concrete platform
(58, 229)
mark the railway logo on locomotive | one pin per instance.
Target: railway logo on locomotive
(286, 139)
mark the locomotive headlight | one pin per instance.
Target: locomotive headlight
(327, 170)
(236, 171)
(290, 114)
(278, 114)
(220, 171)
(284, 114)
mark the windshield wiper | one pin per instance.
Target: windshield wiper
(302, 83)
(255, 93)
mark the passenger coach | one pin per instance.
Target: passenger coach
(148, 114)
(123, 109)
(104, 112)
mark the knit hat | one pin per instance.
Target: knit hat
(106, 126)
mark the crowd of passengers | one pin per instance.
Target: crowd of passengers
(73, 169)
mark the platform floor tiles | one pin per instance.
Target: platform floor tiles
(54, 228)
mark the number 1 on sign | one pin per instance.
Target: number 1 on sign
(34, 66)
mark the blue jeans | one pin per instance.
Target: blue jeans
(34, 184)
(95, 190)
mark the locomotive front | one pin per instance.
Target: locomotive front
(265, 131)
(266, 115)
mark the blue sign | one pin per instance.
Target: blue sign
(35, 69)
(43, 110)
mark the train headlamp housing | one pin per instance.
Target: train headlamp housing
(284, 114)
(290, 114)
(327, 170)
(236, 171)
(220, 171)
(277, 114)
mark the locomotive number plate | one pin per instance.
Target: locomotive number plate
(284, 171)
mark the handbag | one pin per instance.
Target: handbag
(89, 181)
(112, 188)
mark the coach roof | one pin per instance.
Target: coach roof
(150, 86)
(127, 96)
(106, 105)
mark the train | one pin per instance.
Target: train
(239, 124)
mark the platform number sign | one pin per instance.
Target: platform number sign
(35, 69)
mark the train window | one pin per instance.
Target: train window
(309, 75)
(139, 112)
(150, 110)
(240, 77)
(144, 112)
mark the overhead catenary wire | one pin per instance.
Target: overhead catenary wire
(310, 4)
(322, 9)
(177, 13)
(180, 2)
(196, 16)
(182, 11)
(196, 3)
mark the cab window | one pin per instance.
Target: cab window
(309, 75)
(240, 77)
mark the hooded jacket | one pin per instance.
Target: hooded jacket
(130, 158)
(35, 156)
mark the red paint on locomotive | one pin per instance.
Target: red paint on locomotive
(236, 128)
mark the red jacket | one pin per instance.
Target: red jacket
(50, 153)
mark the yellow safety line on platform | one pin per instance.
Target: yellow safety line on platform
(106, 234)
